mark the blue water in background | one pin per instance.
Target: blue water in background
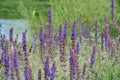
(19, 26)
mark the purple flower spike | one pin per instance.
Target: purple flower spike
(112, 9)
(102, 40)
(2, 43)
(11, 34)
(41, 36)
(74, 33)
(46, 69)
(72, 64)
(24, 42)
(49, 15)
(15, 59)
(16, 66)
(6, 65)
(60, 37)
(65, 29)
(78, 48)
(53, 71)
(92, 59)
(26, 74)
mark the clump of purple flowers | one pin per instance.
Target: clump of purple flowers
(12, 53)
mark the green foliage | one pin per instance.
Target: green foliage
(71, 9)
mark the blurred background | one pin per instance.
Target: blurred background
(30, 14)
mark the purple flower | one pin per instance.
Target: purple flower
(49, 30)
(107, 44)
(78, 48)
(11, 34)
(6, 65)
(47, 68)
(53, 71)
(102, 40)
(74, 33)
(15, 60)
(65, 30)
(26, 74)
(60, 36)
(24, 42)
(72, 64)
(112, 9)
(92, 59)
(12, 76)
(41, 37)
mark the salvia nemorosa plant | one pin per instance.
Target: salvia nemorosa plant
(113, 17)
(6, 66)
(53, 71)
(6, 61)
(2, 45)
(49, 36)
(11, 35)
(110, 45)
(72, 65)
(74, 34)
(61, 44)
(107, 35)
(42, 45)
(70, 58)
(24, 48)
(65, 32)
(102, 41)
(47, 69)
(92, 58)
(16, 63)
(62, 40)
